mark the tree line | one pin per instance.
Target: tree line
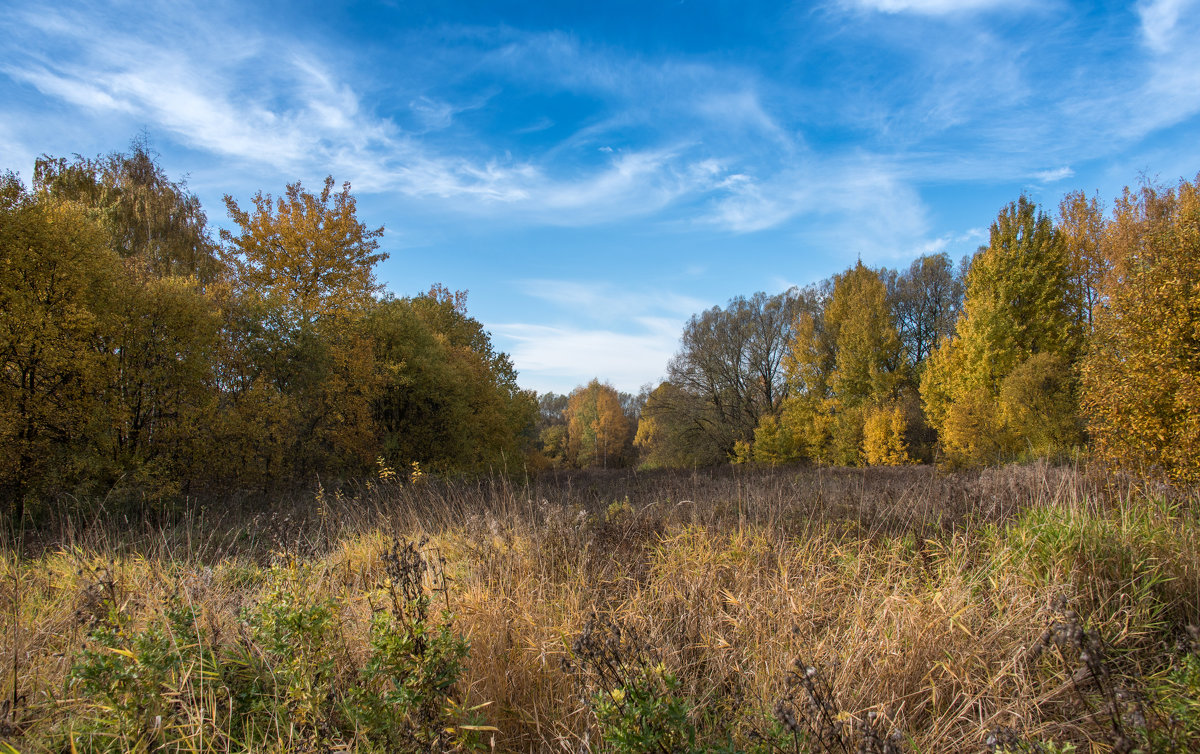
(142, 355)
(1077, 332)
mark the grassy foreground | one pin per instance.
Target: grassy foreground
(1029, 608)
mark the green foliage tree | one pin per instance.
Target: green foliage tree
(160, 334)
(1142, 373)
(1018, 303)
(151, 220)
(552, 428)
(447, 400)
(1082, 226)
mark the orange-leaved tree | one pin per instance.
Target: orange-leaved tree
(597, 428)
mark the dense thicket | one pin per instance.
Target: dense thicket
(1141, 375)
(141, 357)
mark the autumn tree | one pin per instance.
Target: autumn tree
(1142, 373)
(673, 430)
(307, 252)
(56, 276)
(303, 265)
(597, 428)
(728, 372)
(1018, 303)
(925, 300)
(842, 365)
(151, 220)
(502, 414)
(1082, 226)
(447, 399)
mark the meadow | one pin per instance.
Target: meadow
(1022, 608)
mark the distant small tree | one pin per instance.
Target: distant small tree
(672, 430)
(597, 429)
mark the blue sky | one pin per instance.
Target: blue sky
(596, 173)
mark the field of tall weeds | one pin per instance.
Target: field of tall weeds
(1026, 608)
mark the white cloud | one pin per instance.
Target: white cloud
(1160, 20)
(71, 90)
(864, 202)
(625, 334)
(741, 109)
(606, 301)
(932, 7)
(304, 119)
(1170, 29)
(552, 358)
(1057, 174)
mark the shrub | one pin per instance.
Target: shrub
(883, 437)
(632, 695)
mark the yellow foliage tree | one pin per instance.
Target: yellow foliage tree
(883, 436)
(839, 368)
(1038, 407)
(308, 252)
(304, 270)
(56, 276)
(775, 443)
(1141, 376)
(597, 428)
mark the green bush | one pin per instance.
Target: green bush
(170, 686)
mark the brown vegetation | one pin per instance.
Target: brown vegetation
(916, 595)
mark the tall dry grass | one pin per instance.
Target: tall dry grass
(919, 595)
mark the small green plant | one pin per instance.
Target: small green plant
(1137, 714)
(170, 686)
(404, 700)
(645, 714)
(1010, 741)
(138, 683)
(1176, 695)
(633, 695)
(291, 676)
(619, 511)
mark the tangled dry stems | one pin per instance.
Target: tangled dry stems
(917, 595)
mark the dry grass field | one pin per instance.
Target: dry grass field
(1025, 608)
